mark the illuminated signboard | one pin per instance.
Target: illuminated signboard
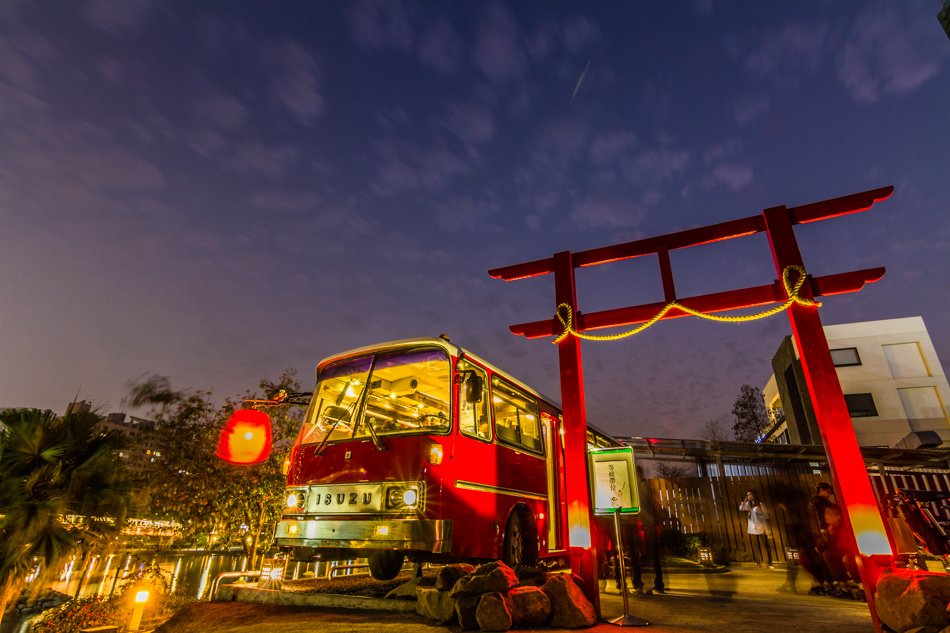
(613, 477)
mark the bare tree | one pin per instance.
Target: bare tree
(667, 470)
(714, 431)
(749, 412)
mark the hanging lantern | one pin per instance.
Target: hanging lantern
(246, 439)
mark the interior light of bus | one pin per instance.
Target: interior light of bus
(392, 395)
(496, 400)
(350, 393)
(409, 497)
(530, 417)
(435, 454)
(382, 530)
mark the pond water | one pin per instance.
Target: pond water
(191, 572)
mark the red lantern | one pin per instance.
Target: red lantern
(246, 439)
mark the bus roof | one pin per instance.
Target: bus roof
(453, 350)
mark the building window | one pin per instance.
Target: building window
(860, 405)
(845, 357)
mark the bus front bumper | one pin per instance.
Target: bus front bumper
(394, 534)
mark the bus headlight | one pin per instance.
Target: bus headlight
(296, 499)
(403, 497)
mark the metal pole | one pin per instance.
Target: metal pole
(626, 619)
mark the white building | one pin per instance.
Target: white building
(893, 383)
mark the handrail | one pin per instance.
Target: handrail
(229, 574)
(333, 568)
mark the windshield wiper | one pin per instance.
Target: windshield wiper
(378, 443)
(346, 413)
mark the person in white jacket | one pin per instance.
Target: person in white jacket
(758, 523)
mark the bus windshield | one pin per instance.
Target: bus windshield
(398, 392)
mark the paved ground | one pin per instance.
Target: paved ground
(744, 599)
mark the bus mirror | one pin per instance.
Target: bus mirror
(473, 388)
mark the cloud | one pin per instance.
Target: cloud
(254, 158)
(406, 168)
(498, 50)
(607, 147)
(885, 56)
(726, 149)
(284, 201)
(220, 110)
(117, 170)
(441, 48)
(751, 107)
(118, 17)
(656, 166)
(296, 79)
(603, 212)
(380, 24)
(794, 49)
(734, 176)
(21, 53)
(578, 32)
(471, 123)
(462, 213)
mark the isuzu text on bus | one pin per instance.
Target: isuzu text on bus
(418, 448)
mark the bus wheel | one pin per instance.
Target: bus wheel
(513, 554)
(385, 564)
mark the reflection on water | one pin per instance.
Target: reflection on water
(190, 572)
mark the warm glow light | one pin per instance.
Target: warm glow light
(350, 393)
(410, 497)
(435, 454)
(541, 515)
(292, 529)
(580, 537)
(292, 500)
(246, 438)
(141, 596)
(382, 530)
(869, 530)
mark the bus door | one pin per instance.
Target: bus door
(554, 458)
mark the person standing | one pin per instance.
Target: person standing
(758, 525)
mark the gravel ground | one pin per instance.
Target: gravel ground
(351, 585)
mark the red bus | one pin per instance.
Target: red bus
(419, 448)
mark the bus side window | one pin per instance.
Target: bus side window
(517, 419)
(474, 419)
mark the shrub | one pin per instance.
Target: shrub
(675, 542)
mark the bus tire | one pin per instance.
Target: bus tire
(514, 546)
(385, 564)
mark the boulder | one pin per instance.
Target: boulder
(450, 574)
(906, 599)
(435, 605)
(570, 608)
(466, 608)
(405, 591)
(492, 613)
(489, 577)
(529, 606)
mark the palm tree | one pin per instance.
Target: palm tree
(61, 492)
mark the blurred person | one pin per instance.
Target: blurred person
(758, 524)
(839, 557)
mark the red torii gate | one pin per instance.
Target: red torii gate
(848, 470)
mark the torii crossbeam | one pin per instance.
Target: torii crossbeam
(848, 471)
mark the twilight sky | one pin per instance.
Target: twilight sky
(219, 191)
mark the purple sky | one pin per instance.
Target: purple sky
(219, 191)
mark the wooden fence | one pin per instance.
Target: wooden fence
(709, 507)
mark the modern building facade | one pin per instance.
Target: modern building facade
(895, 388)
